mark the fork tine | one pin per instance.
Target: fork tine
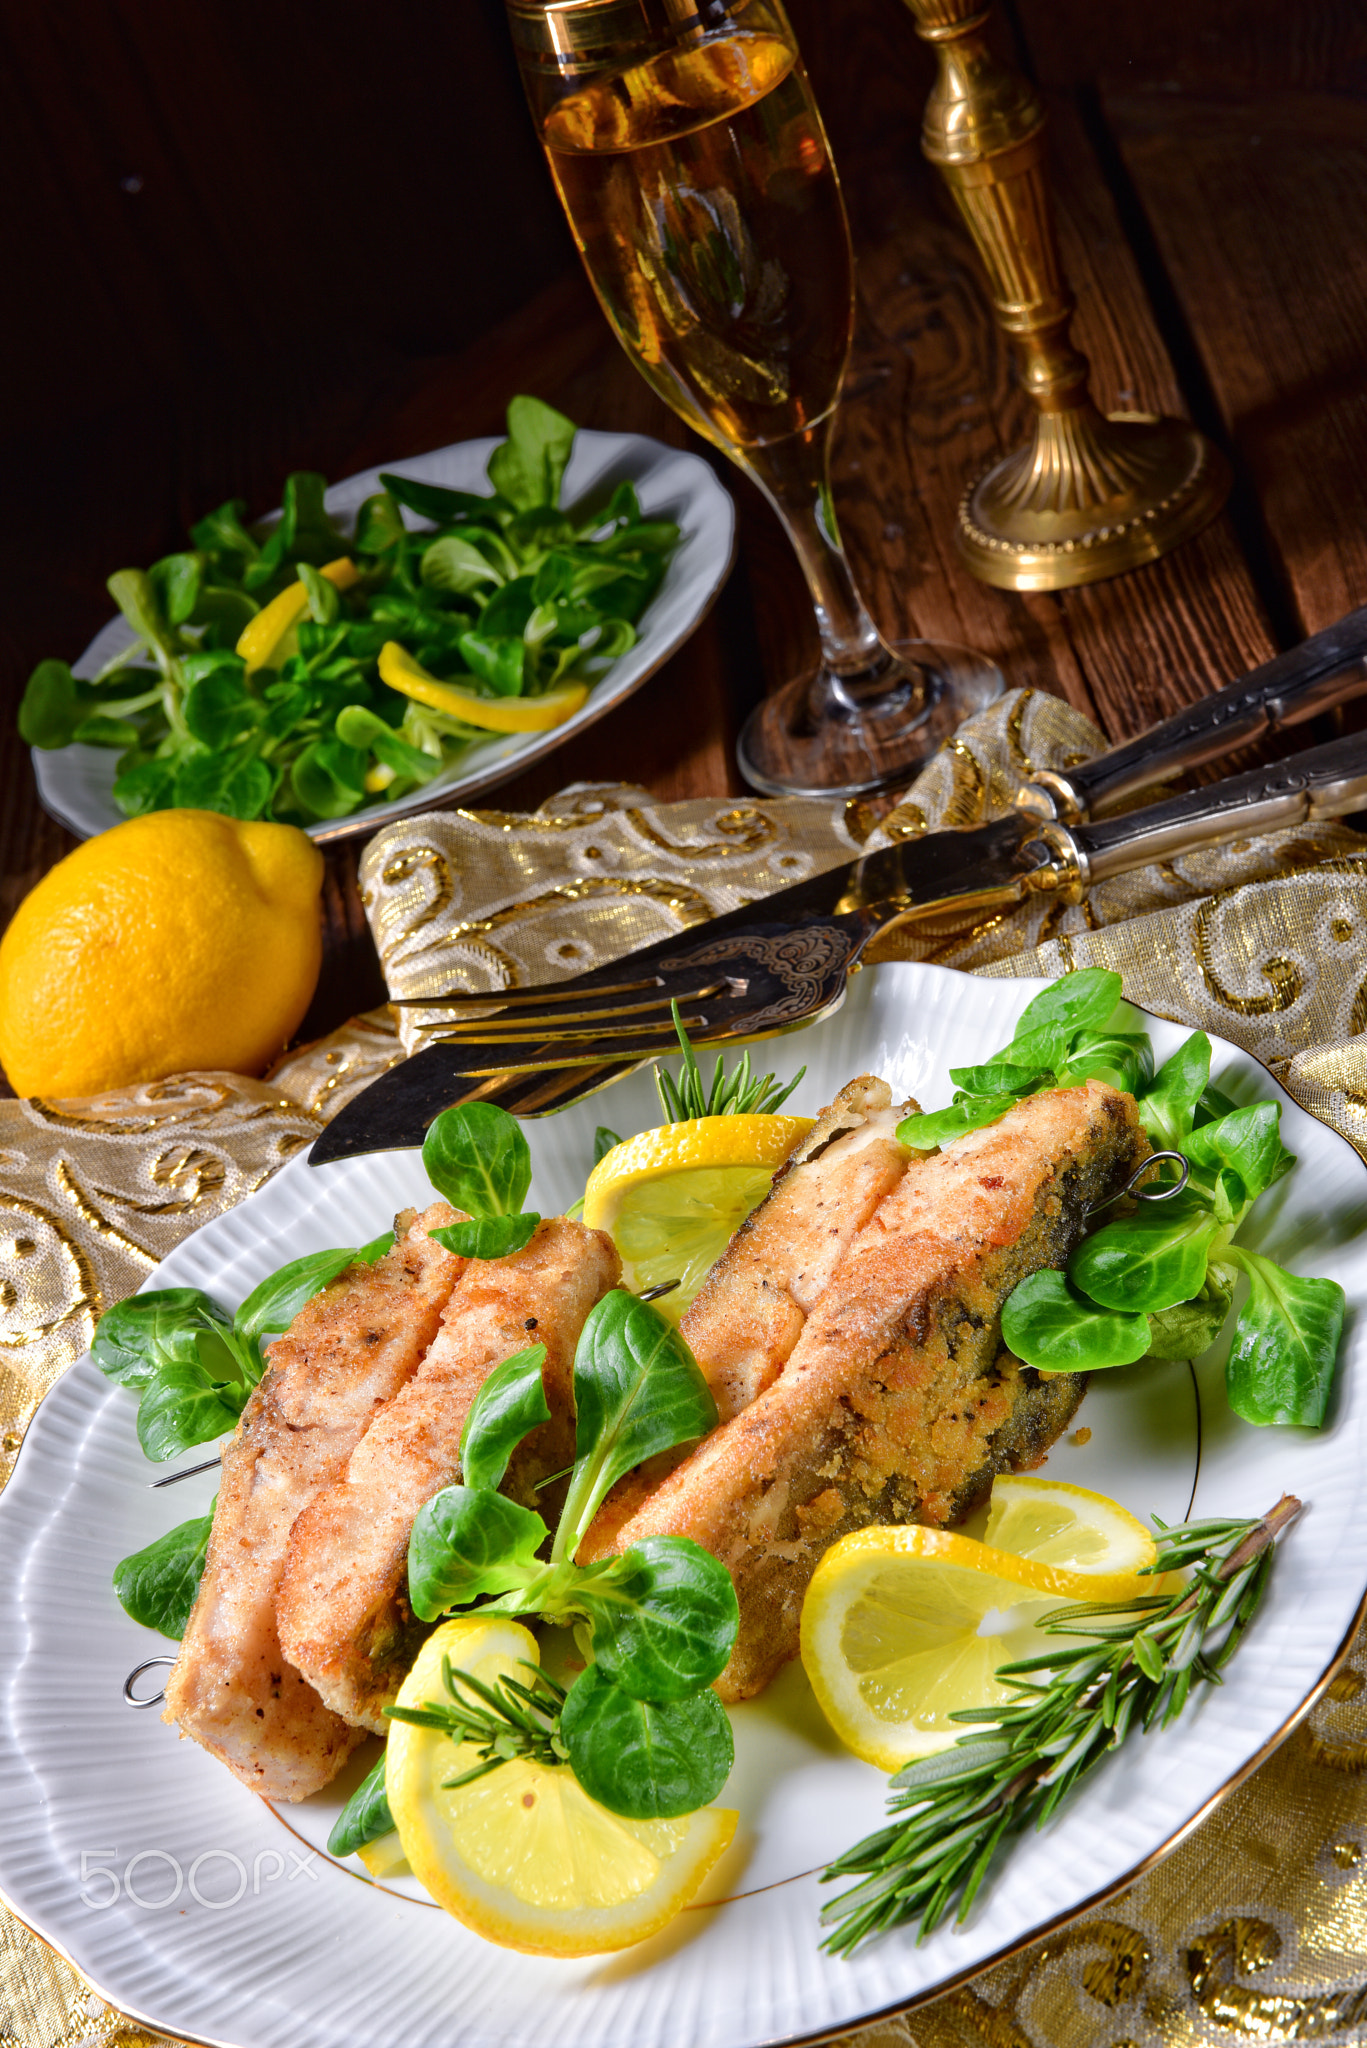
(542, 1033)
(529, 998)
(546, 1058)
(497, 1022)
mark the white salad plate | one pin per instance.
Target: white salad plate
(76, 783)
(205, 1912)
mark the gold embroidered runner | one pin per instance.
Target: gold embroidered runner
(1255, 1927)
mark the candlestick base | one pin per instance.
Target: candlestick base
(1089, 497)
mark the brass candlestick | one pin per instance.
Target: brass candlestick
(1088, 496)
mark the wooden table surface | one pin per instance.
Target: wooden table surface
(249, 246)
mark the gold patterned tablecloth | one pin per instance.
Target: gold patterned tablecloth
(1255, 1927)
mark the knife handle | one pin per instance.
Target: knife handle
(1325, 670)
(1323, 782)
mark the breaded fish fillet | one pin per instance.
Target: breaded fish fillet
(750, 1310)
(898, 1403)
(343, 1616)
(345, 1355)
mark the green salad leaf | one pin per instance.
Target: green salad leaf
(664, 1618)
(1063, 1037)
(157, 1586)
(509, 1405)
(1286, 1342)
(1190, 1327)
(271, 1307)
(528, 468)
(468, 1541)
(1167, 1109)
(477, 1157)
(364, 1818)
(54, 706)
(637, 1390)
(604, 1141)
(1053, 1326)
(179, 1352)
(192, 1363)
(488, 1237)
(648, 1760)
(1147, 1261)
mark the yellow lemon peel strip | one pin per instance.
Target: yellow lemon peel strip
(262, 641)
(492, 714)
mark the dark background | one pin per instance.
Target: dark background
(243, 238)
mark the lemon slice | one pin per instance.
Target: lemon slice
(268, 640)
(492, 714)
(523, 1855)
(384, 1855)
(903, 1627)
(672, 1199)
(1050, 1522)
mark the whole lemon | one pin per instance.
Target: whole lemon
(177, 941)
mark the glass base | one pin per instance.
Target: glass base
(843, 736)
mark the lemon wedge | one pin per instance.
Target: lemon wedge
(671, 1199)
(902, 1628)
(523, 1855)
(493, 714)
(268, 640)
(1051, 1522)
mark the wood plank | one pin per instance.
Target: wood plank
(1257, 208)
(1166, 634)
(1198, 45)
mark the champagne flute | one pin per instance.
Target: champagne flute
(691, 161)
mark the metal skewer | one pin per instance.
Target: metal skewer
(1163, 1193)
(153, 1699)
(174, 1478)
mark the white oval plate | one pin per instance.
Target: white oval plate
(193, 1905)
(75, 783)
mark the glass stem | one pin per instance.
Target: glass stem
(794, 475)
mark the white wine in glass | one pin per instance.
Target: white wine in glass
(691, 161)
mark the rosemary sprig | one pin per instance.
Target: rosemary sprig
(741, 1093)
(505, 1721)
(1134, 1668)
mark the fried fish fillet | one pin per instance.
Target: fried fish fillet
(750, 1310)
(345, 1355)
(342, 1609)
(898, 1403)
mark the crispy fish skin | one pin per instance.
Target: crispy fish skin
(342, 1610)
(898, 1403)
(346, 1354)
(750, 1311)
